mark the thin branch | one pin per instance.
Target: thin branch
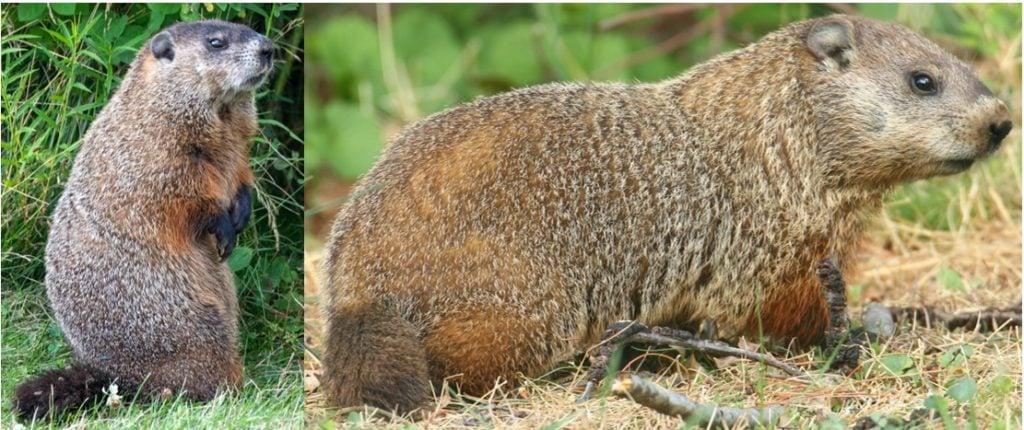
(984, 320)
(674, 404)
(662, 48)
(843, 8)
(684, 340)
(651, 12)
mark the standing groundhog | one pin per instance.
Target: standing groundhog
(158, 193)
(500, 237)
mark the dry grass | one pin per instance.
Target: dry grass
(988, 259)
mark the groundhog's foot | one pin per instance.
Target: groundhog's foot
(843, 344)
(625, 332)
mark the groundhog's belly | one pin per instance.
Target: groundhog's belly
(779, 298)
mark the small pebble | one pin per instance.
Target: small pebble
(877, 320)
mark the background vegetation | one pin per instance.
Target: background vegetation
(61, 63)
(953, 242)
(376, 69)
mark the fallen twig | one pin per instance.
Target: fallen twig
(626, 332)
(714, 348)
(674, 404)
(651, 12)
(612, 338)
(985, 320)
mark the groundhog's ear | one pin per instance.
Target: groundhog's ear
(162, 47)
(832, 40)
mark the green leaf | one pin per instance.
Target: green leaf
(30, 11)
(116, 28)
(880, 10)
(278, 270)
(358, 62)
(1001, 385)
(897, 364)
(164, 8)
(508, 54)
(240, 258)
(832, 422)
(583, 53)
(963, 390)
(936, 402)
(426, 44)
(65, 9)
(328, 424)
(956, 356)
(353, 142)
(950, 279)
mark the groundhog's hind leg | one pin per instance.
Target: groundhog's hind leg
(473, 349)
(374, 357)
(196, 375)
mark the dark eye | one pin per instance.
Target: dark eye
(217, 43)
(923, 83)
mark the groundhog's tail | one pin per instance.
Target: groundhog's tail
(57, 392)
(374, 357)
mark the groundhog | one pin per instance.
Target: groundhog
(500, 237)
(135, 261)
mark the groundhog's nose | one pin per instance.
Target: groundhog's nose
(998, 132)
(266, 50)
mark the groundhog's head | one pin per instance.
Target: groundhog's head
(893, 106)
(213, 59)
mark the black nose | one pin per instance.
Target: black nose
(998, 132)
(266, 50)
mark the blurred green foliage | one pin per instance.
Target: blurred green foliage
(61, 64)
(374, 69)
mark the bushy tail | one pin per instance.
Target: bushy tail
(373, 356)
(57, 392)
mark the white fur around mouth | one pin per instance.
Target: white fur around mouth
(256, 80)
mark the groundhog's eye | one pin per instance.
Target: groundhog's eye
(217, 43)
(923, 83)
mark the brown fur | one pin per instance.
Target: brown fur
(133, 273)
(501, 236)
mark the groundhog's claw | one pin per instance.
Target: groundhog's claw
(223, 229)
(241, 208)
(227, 225)
(839, 339)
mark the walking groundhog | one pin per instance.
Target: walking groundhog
(159, 190)
(501, 236)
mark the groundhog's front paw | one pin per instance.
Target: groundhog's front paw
(223, 229)
(241, 208)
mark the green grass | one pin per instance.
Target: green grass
(61, 63)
